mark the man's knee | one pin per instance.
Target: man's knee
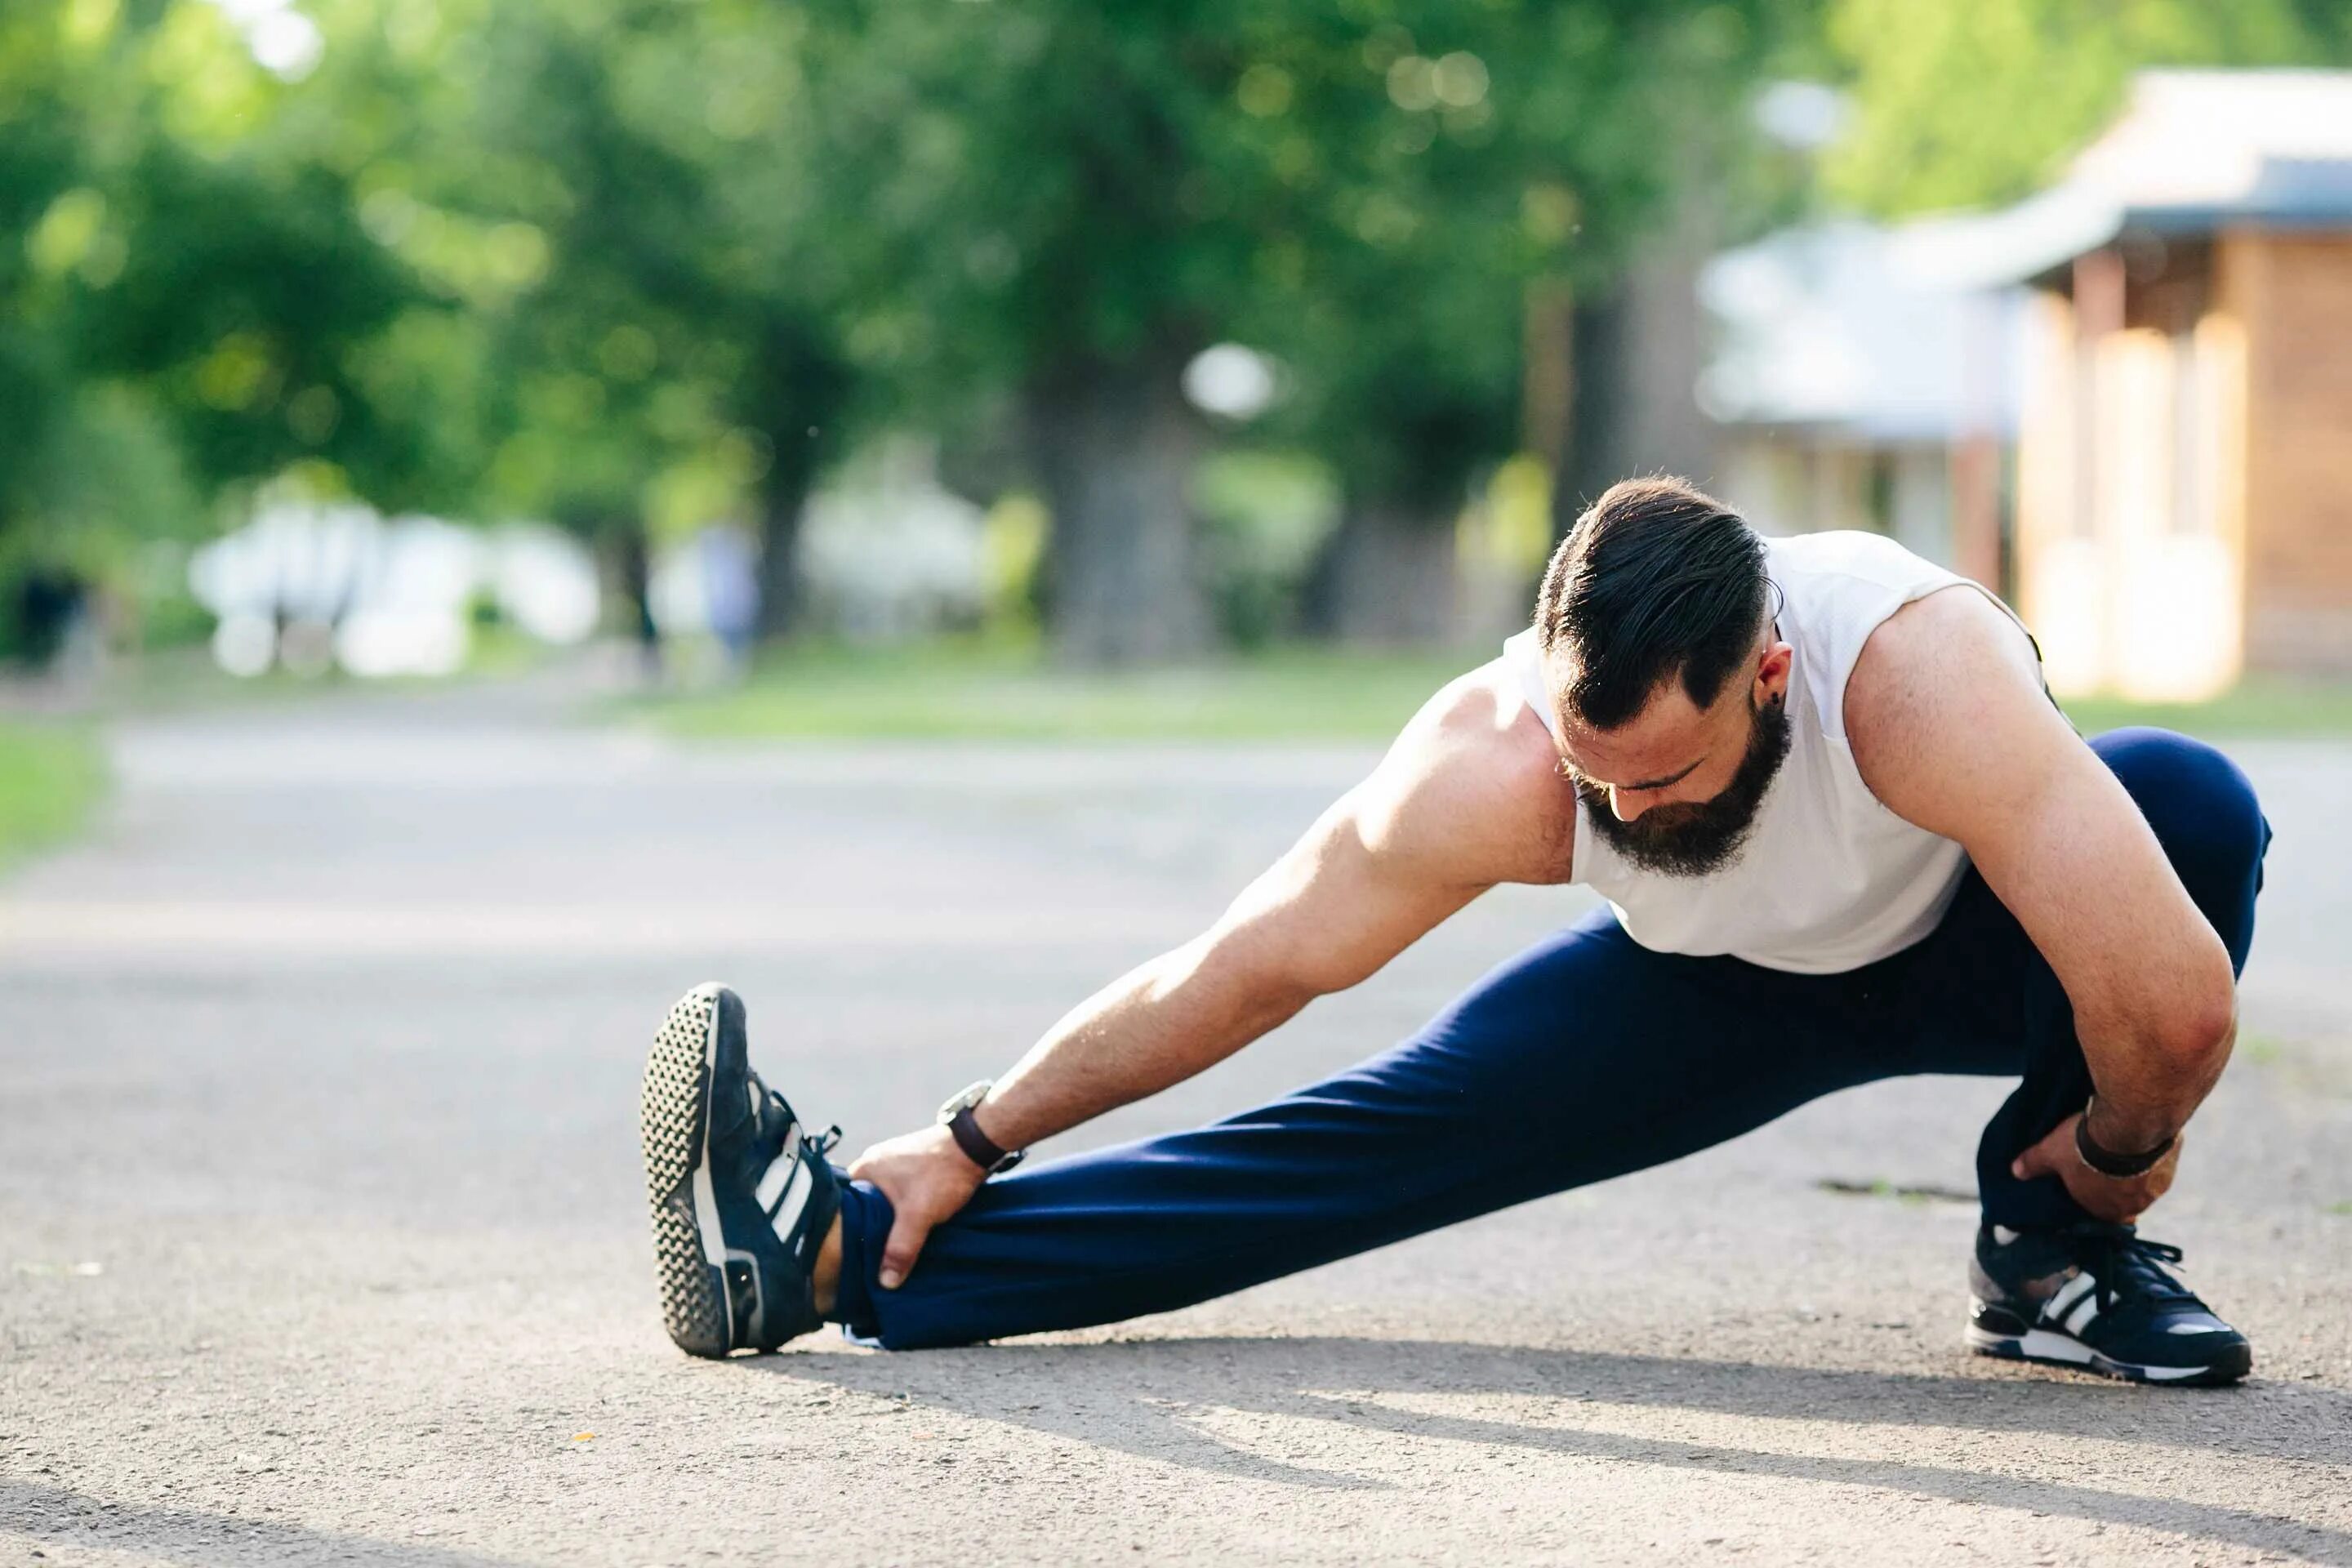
(2200, 805)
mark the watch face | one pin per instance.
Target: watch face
(970, 1096)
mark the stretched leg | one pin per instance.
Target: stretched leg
(2204, 813)
(1583, 1058)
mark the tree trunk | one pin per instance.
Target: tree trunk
(793, 392)
(1114, 445)
(624, 565)
(1637, 354)
(1386, 578)
(783, 499)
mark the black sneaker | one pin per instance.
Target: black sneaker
(742, 1195)
(2099, 1297)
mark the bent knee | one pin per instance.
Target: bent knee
(2200, 805)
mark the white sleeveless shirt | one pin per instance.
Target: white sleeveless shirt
(1829, 879)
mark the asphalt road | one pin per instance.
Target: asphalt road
(322, 1234)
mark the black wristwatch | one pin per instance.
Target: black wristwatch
(978, 1147)
(2106, 1161)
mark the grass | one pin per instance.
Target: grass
(50, 777)
(979, 691)
(2261, 706)
(958, 691)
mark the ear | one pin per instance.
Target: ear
(1772, 671)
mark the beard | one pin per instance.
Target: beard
(1692, 839)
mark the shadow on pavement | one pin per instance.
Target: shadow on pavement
(52, 1514)
(1141, 1397)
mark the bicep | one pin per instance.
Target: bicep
(1953, 732)
(1340, 904)
(1465, 799)
(2084, 875)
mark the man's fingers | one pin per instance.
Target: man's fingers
(2043, 1156)
(906, 1244)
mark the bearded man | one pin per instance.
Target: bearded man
(1844, 835)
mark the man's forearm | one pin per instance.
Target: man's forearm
(1158, 1025)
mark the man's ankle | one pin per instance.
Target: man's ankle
(826, 1279)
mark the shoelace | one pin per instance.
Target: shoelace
(2128, 1266)
(821, 1144)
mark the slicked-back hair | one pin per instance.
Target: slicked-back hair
(1655, 580)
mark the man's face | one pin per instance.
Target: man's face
(1675, 788)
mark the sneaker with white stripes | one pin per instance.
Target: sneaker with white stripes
(2099, 1297)
(741, 1194)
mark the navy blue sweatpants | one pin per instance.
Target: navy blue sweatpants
(1587, 1056)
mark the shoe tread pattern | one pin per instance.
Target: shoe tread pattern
(670, 1117)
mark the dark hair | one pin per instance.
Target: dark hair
(1654, 580)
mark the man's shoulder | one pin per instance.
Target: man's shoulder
(1923, 665)
(1475, 775)
(1480, 718)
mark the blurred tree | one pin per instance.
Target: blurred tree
(638, 264)
(664, 358)
(207, 313)
(1067, 203)
(228, 274)
(88, 466)
(38, 165)
(442, 254)
(1022, 196)
(1501, 166)
(1969, 102)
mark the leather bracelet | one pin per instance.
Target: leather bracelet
(2106, 1161)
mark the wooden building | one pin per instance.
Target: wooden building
(2184, 460)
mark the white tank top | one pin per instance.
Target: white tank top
(1830, 879)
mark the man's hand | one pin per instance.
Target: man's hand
(928, 1177)
(2120, 1199)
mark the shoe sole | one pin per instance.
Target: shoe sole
(2053, 1348)
(673, 1118)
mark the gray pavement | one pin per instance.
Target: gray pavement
(322, 1234)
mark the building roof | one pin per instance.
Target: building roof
(2194, 151)
(1912, 332)
(1851, 330)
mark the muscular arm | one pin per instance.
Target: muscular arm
(1329, 913)
(1462, 802)
(1469, 796)
(1950, 728)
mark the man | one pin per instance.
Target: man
(1844, 835)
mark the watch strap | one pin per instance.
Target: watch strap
(2106, 1161)
(978, 1147)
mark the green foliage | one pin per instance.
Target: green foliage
(1463, 156)
(184, 286)
(1266, 514)
(1365, 189)
(614, 193)
(638, 264)
(1969, 102)
(50, 777)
